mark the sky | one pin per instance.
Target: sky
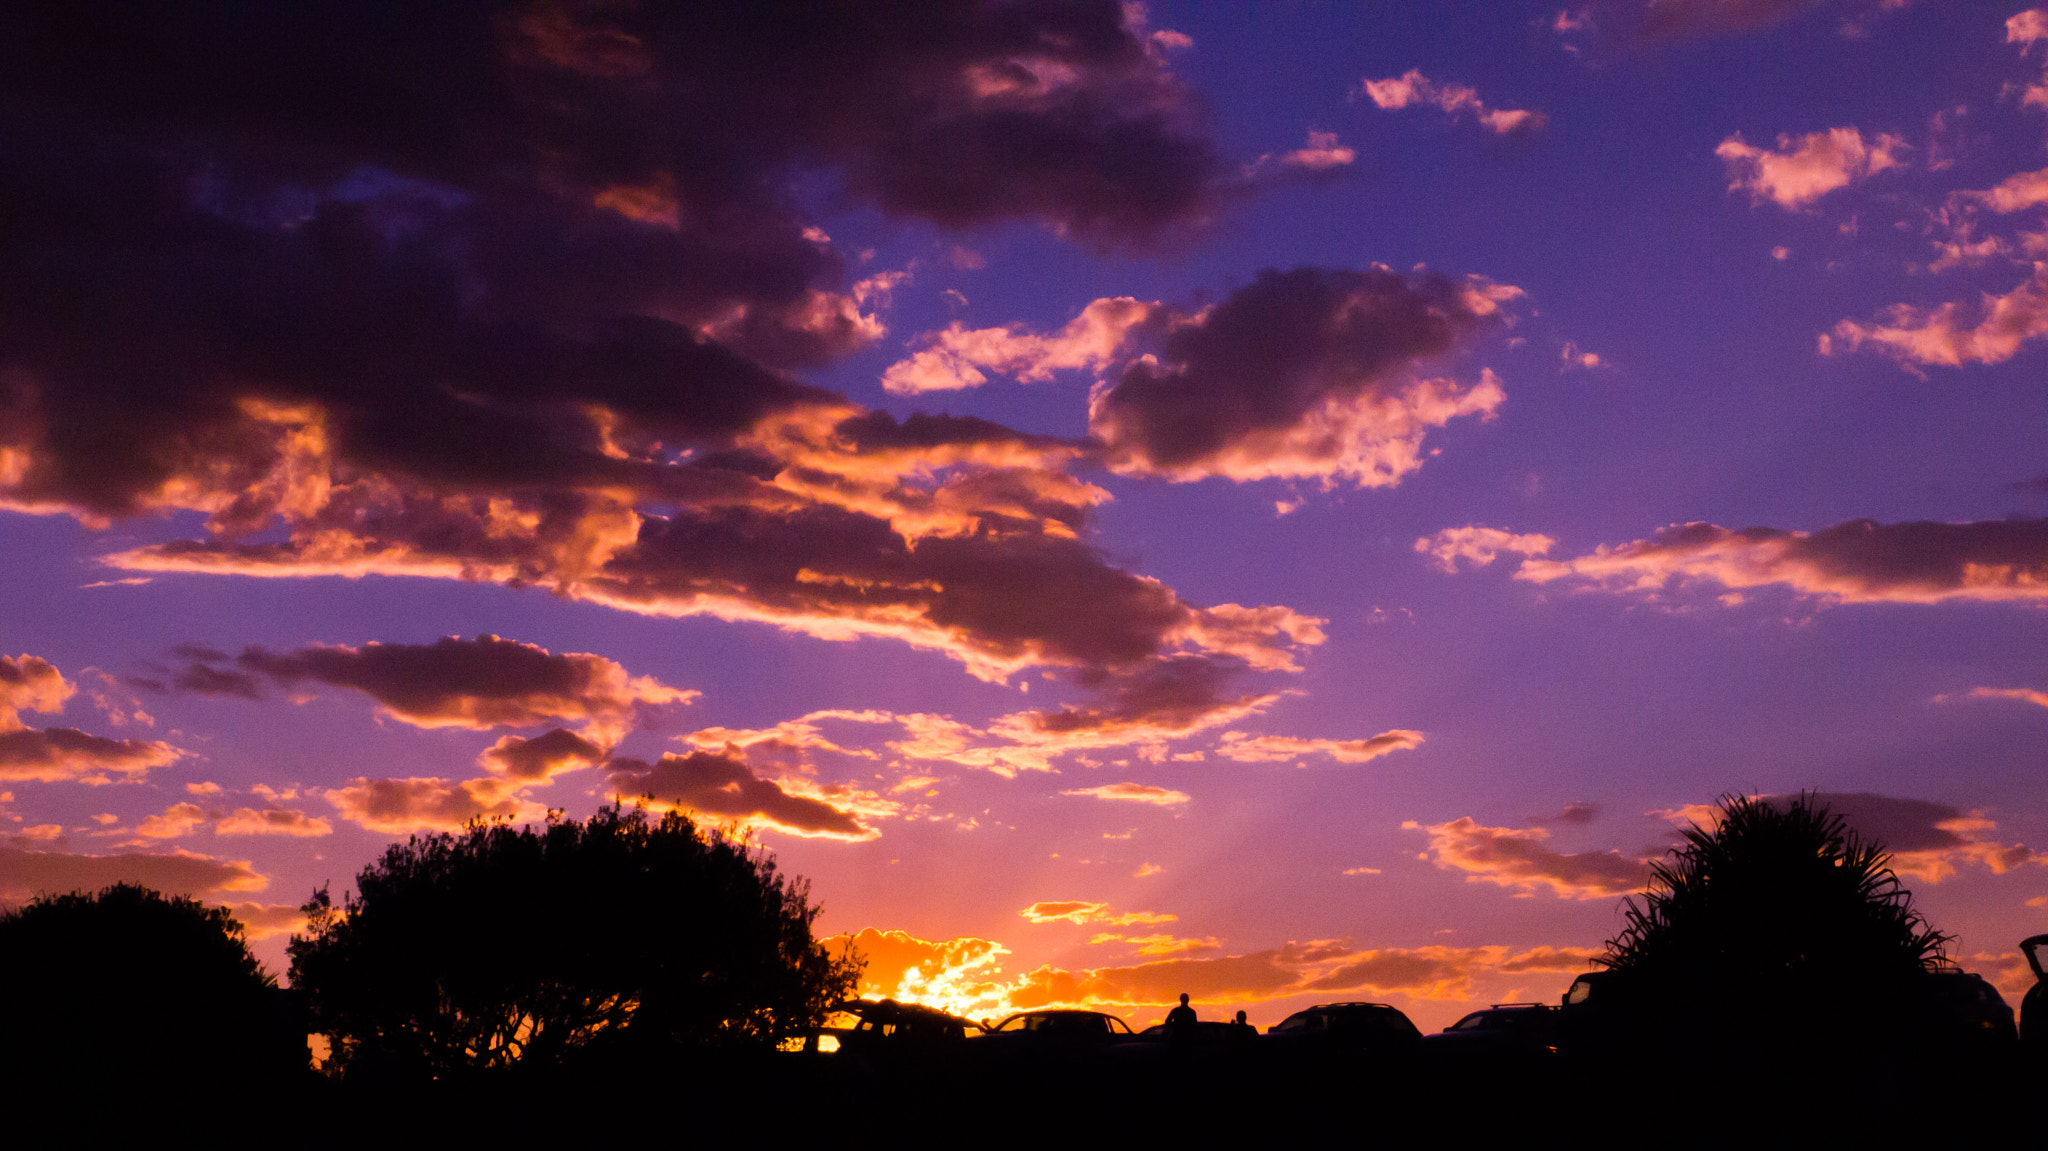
(1287, 503)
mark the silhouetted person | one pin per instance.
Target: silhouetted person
(1241, 1031)
(1180, 1022)
(2034, 1008)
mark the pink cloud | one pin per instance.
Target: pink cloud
(1247, 748)
(1855, 562)
(1804, 169)
(1077, 911)
(1518, 858)
(1953, 334)
(1412, 88)
(403, 806)
(956, 357)
(1479, 546)
(1133, 793)
(24, 874)
(723, 787)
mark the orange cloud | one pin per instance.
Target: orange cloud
(953, 974)
(477, 684)
(1078, 911)
(1803, 170)
(1134, 793)
(1860, 561)
(1479, 546)
(543, 757)
(1311, 373)
(1276, 748)
(1953, 334)
(263, 920)
(958, 357)
(55, 754)
(24, 874)
(30, 683)
(1412, 88)
(2024, 694)
(723, 787)
(403, 806)
(1516, 857)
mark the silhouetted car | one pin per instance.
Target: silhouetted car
(2034, 1008)
(1374, 1030)
(1053, 1035)
(884, 1025)
(1200, 1039)
(1505, 1032)
(1966, 1015)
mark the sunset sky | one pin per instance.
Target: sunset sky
(1287, 503)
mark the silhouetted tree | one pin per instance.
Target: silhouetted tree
(131, 990)
(510, 945)
(1776, 921)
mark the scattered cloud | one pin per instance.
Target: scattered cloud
(722, 787)
(1309, 374)
(1412, 88)
(478, 684)
(1134, 793)
(1078, 912)
(1991, 331)
(1803, 169)
(1247, 748)
(1928, 841)
(1519, 858)
(25, 874)
(1860, 561)
(543, 757)
(1479, 546)
(2024, 694)
(404, 806)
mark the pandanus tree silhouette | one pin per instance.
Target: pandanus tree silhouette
(1775, 922)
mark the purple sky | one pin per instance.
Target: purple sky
(1286, 505)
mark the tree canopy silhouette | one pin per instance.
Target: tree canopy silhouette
(507, 945)
(129, 988)
(1777, 916)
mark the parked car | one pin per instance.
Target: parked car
(1053, 1035)
(1504, 1032)
(1376, 1030)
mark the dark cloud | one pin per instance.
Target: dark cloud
(1303, 373)
(1574, 813)
(1860, 561)
(543, 756)
(481, 683)
(52, 754)
(1520, 857)
(403, 806)
(26, 874)
(722, 787)
(1927, 840)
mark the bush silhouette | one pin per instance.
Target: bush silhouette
(507, 945)
(134, 991)
(1776, 922)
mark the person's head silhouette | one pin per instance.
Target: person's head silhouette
(1183, 999)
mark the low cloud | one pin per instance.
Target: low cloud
(953, 974)
(959, 357)
(478, 684)
(1991, 330)
(263, 920)
(1412, 88)
(2023, 694)
(1077, 911)
(30, 683)
(1805, 168)
(1278, 748)
(62, 754)
(1860, 561)
(1133, 793)
(722, 787)
(1479, 546)
(1309, 374)
(26, 874)
(1518, 857)
(404, 806)
(543, 757)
